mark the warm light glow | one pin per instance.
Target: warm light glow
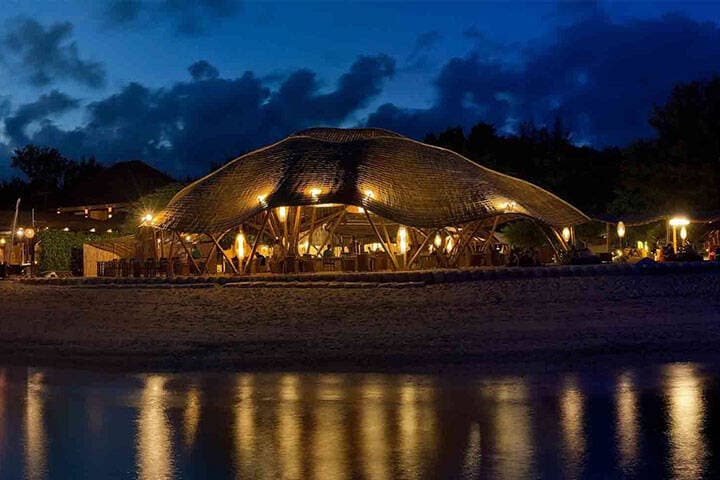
(261, 200)
(402, 240)
(3, 241)
(369, 194)
(29, 233)
(282, 213)
(154, 435)
(449, 244)
(620, 229)
(92, 230)
(566, 234)
(438, 241)
(683, 233)
(20, 232)
(679, 222)
(66, 229)
(188, 238)
(240, 245)
(315, 193)
(148, 217)
(109, 230)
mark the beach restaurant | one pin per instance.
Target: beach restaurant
(330, 199)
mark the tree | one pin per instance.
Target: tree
(44, 167)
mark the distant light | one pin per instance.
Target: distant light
(449, 244)
(29, 233)
(188, 238)
(683, 233)
(20, 232)
(58, 211)
(109, 230)
(315, 193)
(3, 241)
(66, 229)
(148, 217)
(566, 234)
(261, 200)
(92, 230)
(620, 229)
(438, 241)
(679, 222)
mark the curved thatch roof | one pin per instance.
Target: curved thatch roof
(411, 183)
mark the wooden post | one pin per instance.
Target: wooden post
(382, 242)
(189, 253)
(331, 232)
(490, 235)
(217, 245)
(257, 241)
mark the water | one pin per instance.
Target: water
(650, 422)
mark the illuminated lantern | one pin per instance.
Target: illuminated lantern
(566, 234)
(683, 233)
(315, 193)
(437, 242)
(147, 218)
(240, 245)
(620, 229)
(282, 213)
(20, 232)
(449, 244)
(402, 240)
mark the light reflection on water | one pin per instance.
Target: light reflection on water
(655, 422)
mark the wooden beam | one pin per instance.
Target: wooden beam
(331, 232)
(219, 247)
(490, 235)
(382, 242)
(466, 236)
(189, 253)
(209, 257)
(256, 242)
(419, 250)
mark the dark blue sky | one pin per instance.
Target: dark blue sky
(181, 83)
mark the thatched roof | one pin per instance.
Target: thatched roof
(411, 183)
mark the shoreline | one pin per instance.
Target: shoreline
(520, 323)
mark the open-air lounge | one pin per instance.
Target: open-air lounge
(328, 199)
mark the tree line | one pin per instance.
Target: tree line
(677, 171)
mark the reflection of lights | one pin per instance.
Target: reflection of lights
(289, 428)
(329, 445)
(416, 426)
(627, 421)
(683, 390)
(191, 416)
(511, 425)
(471, 465)
(572, 417)
(245, 427)
(373, 428)
(154, 436)
(35, 440)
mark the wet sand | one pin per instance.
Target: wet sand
(548, 322)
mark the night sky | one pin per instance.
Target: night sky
(183, 84)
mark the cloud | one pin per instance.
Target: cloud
(48, 54)
(202, 70)
(47, 105)
(602, 77)
(186, 127)
(187, 17)
(419, 58)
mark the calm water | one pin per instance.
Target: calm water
(652, 422)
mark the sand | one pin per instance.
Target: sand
(546, 321)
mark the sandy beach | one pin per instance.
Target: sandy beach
(546, 321)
